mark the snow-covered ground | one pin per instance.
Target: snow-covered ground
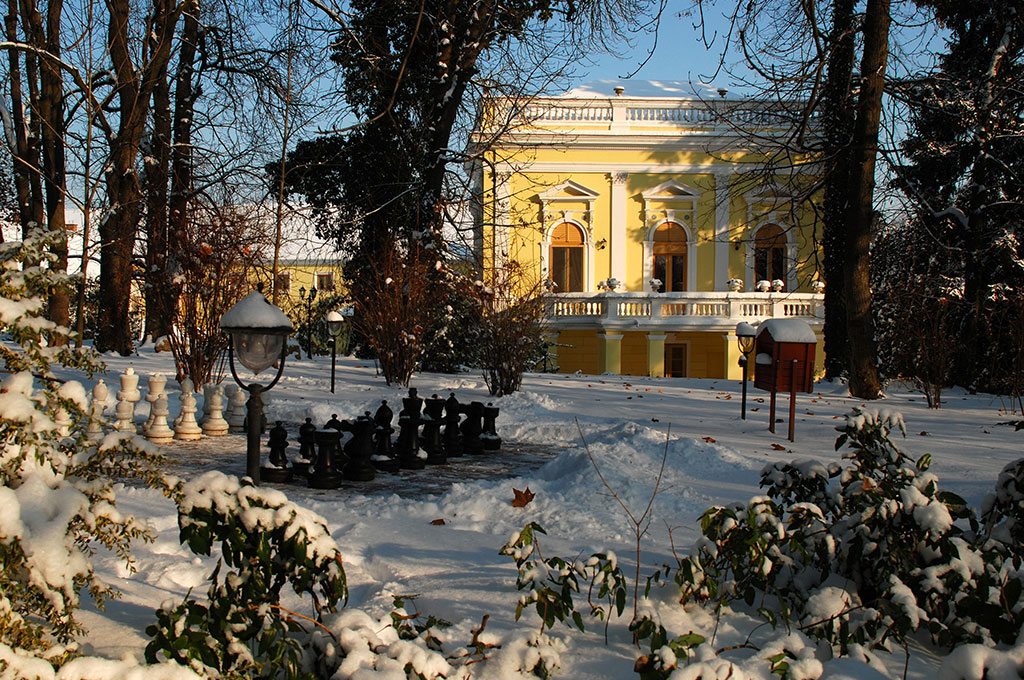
(392, 543)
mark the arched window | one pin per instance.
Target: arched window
(670, 257)
(770, 253)
(567, 258)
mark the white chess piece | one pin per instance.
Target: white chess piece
(94, 431)
(157, 382)
(61, 418)
(129, 386)
(126, 398)
(215, 425)
(159, 432)
(207, 393)
(236, 414)
(185, 426)
(125, 416)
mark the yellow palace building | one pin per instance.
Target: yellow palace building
(651, 219)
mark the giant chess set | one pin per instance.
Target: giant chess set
(430, 431)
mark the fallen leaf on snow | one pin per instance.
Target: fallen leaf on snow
(522, 497)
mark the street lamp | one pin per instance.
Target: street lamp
(745, 334)
(334, 323)
(258, 332)
(309, 317)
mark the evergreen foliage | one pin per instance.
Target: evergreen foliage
(965, 177)
(57, 503)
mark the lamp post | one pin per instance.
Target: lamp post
(334, 323)
(309, 316)
(745, 335)
(258, 332)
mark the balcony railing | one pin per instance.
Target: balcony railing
(616, 114)
(680, 311)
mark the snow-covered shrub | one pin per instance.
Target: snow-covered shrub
(266, 543)
(866, 553)
(56, 502)
(549, 583)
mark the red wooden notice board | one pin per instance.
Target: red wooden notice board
(773, 359)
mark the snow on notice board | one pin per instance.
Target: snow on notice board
(788, 330)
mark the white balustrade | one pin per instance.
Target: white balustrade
(617, 114)
(679, 310)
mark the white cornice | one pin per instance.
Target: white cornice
(642, 168)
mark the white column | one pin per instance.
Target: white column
(618, 239)
(502, 219)
(722, 201)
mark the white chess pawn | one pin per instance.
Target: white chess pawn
(94, 431)
(215, 425)
(236, 413)
(207, 393)
(185, 426)
(125, 416)
(159, 432)
(61, 418)
(157, 382)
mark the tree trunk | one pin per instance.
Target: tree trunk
(185, 94)
(52, 110)
(156, 171)
(26, 176)
(118, 230)
(865, 382)
(838, 119)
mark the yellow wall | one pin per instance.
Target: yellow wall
(634, 353)
(582, 355)
(706, 352)
(527, 224)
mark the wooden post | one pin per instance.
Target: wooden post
(775, 388)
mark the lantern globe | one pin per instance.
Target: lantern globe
(258, 331)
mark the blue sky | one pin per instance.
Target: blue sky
(678, 54)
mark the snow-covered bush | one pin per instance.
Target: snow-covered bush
(869, 552)
(56, 502)
(549, 583)
(266, 542)
(243, 631)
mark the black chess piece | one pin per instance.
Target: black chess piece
(491, 440)
(383, 458)
(358, 468)
(340, 454)
(278, 472)
(451, 438)
(407, 446)
(307, 447)
(472, 427)
(430, 438)
(322, 473)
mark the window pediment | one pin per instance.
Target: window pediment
(553, 203)
(567, 191)
(670, 200)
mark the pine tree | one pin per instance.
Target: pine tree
(965, 176)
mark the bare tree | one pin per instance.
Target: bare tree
(135, 84)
